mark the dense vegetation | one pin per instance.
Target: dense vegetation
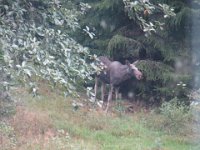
(55, 42)
(36, 42)
(125, 30)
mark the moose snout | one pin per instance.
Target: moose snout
(140, 77)
(138, 74)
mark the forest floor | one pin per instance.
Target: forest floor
(49, 122)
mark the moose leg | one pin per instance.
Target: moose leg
(95, 88)
(109, 97)
(116, 93)
(103, 85)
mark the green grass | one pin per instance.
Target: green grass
(91, 129)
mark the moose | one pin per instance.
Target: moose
(114, 73)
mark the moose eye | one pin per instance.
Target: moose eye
(130, 70)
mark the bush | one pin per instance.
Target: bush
(175, 115)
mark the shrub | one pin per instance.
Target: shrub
(173, 117)
(176, 115)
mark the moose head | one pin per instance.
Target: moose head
(133, 69)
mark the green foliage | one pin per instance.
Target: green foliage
(141, 11)
(103, 19)
(176, 115)
(181, 17)
(123, 28)
(155, 71)
(36, 42)
(123, 46)
(107, 4)
(173, 117)
(162, 83)
(1, 55)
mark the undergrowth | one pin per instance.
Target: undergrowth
(172, 118)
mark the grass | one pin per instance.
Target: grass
(49, 122)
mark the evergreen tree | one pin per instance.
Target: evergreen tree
(142, 30)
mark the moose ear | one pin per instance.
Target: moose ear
(135, 62)
(127, 62)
